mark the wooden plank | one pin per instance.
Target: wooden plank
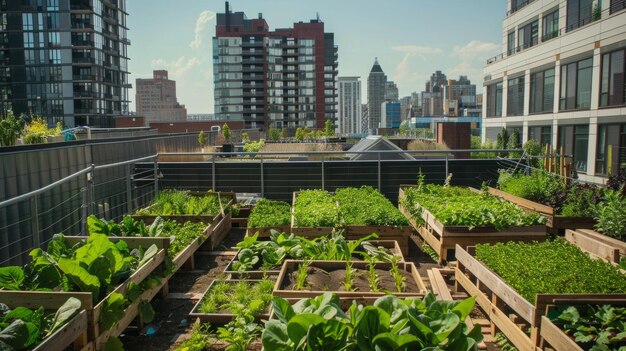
(524, 203)
(512, 298)
(73, 331)
(440, 284)
(592, 245)
(621, 245)
(517, 336)
(556, 337)
(46, 299)
(264, 232)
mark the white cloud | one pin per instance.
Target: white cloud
(470, 59)
(178, 67)
(201, 25)
(417, 50)
(474, 49)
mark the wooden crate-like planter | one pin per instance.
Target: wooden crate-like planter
(555, 222)
(264, 232)
(222, 318)
(555, 337)
(399, 234)
(597, 245)
(148, 219)
(307, 232)
(96, 334)
(292, 265)
(391, 245)
(507, 310)
(444, 238)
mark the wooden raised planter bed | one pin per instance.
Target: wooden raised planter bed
(597, 245)
(444, 238)
(391, 245)
(96, 333)
(307, 232)
(553, 335)
(555, 222)
(264, 232)
(399, 234)
(418, 288)
(507, 310)
(223, 318)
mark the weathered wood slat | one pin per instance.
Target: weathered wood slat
(593, 246)
(556, 337)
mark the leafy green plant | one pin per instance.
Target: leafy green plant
(11, 128)
(611, 215)
(592, 327)
(315, 208)
(22, 328)
(503, 343)
(268, 213)
(557, 268)
(367, 206)
(398, 278)
(462, 206)
(372, 277)
(175, 203)
(239, 333)
(390, 324)
(348, 280)
(234, 297)
(302, 275)
(199, 340)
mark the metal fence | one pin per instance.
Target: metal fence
(112, 190)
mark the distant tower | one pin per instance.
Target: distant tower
(349, 105)
(376, 88)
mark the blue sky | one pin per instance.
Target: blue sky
(411, 38)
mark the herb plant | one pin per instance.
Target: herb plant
(268, 213)
(557, 268)
(22, 328)
(315, 208)
(173, 202)
(390, 324)
(367, 206)
(348, 280)
(611, 215)
(398, 278)
(234, 297)
(462, 206)
(301, 275)
(372, 277)
(593, 327)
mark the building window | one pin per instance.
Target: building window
(611, 151)
(27, 21)
(528, 35)
(617, 5)
(494, 100)
(542, 91)
(579, 13)
(576, 85)
(510, 43)
(613, 81)
(550, 26)
(575, 142)
(542, 135)
(515, 97)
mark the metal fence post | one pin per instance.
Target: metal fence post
(323, 180)
(84, 209)
(447, 172)
(262, 179)
(213, 173)
(129, 191)
(156, 176)
(379, 174)
(91, 189)
(34, 214)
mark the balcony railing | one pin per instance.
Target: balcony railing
(518, 7)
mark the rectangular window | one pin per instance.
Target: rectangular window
(579, 13)
(613, 83)
(617, 5)
(550, 26)
(515, 97)
(511, 43)
(542, 91)
(494, 100)
(576, 85)
(528, 35)
(27, 21)
(575, 142)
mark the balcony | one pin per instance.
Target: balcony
(519, 6)
(78, 77)
(84, 60)
(83, 43)
(84, 111)
(110, 34)
(85, 94)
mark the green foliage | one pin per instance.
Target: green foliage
(275, 134)
(268, 213)
(245, 138)
(300, 133)
(597, 12)
(226, 132)
(476, 144)
(462, 206)
(234, 297)
(329, 129)
(557, 268)
(254, 146)
(239, 333)
(37, 131)
(592, 327)
(315, 208)
(398, 278)
(502, 140)
(390, 324)
(503, 343)
(301, 275)
(349, 279)
(367, 206)
(114, 344)
(532, 148)
(175, 202)
(611, 215)
(203, 139)
(11, 128)
(146, 312)
(199, 340)
(22, 328)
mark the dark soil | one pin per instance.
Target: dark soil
(207, 269)
(235, 236)
(321, 280)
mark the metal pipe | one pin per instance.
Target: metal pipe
(34, 216)
(110, 165)
(262, 179)
(129, 191)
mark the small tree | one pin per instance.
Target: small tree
(502, 140)
(300, 134)
(329, 129)
(275, 134)
(11, 128)
(226, 132)
(203, 139)
(245, 138)
(514, 142)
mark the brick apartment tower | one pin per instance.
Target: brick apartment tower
(156, 99)
(274, 79)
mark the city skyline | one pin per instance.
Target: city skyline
(410, 48)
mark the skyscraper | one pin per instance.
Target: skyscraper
(376, 90)
(156, 99)
(349, 105)
(65, 60)
(391, 91)
(281, 79)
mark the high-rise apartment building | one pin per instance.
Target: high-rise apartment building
(561, 81)
(376, 93)
(391, 91)
(349, 105)
(65, 60)
(156, 99)
(390, 114)
(365, 118)
(274, 79)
